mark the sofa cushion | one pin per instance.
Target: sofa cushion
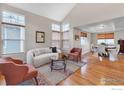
(41, 51)
(36, 53)
(47, 50)
(45, 55)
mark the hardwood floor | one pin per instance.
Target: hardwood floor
(98, 73)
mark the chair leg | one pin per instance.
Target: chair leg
(80, 58)
(35, 78)
(77, 59)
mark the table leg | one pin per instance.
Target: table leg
(51, 65)
(64, 66)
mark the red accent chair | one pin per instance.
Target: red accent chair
(16, 72)
(75, 54)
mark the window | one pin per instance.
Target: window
(83, 38)
(65, 40)
(65, 36)
(106, 41)
(106, 38)
(66, 27)
(56, 34)
(13, 33)
(9, 17)
(55, 39)
(55, 27)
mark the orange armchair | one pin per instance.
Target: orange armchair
(16, 72)
(75, 54)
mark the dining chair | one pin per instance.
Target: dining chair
(113, 53)
(93, 48)
(101, 50)
(118, 48)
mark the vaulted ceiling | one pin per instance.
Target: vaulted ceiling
(92, 17)
(54, 11)
(87, 13)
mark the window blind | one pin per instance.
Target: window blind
(105, 36)
(83, 34)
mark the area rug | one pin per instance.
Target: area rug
(46, 77)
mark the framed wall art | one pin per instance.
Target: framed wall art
(77, 37)
(40, 37)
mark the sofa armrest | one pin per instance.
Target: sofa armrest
(30, 58)
(59, 51)
(17, 61)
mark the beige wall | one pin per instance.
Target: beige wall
(93, 38)
(76, 43)
(119, 35)
(33, 23)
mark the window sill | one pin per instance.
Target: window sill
(13, 53)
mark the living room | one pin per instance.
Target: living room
(38, 36)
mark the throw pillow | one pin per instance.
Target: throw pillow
(54, 49)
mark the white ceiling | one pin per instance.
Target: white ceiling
(54, 11)
(116, 24)
(87, 13)
(90, 17)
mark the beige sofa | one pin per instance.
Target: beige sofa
(40, 56)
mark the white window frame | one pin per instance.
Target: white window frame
(58, 40)
(14, 14)
(84, 39)
(65, 40)
(65, 29)
(56, 29)
(12, 24)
